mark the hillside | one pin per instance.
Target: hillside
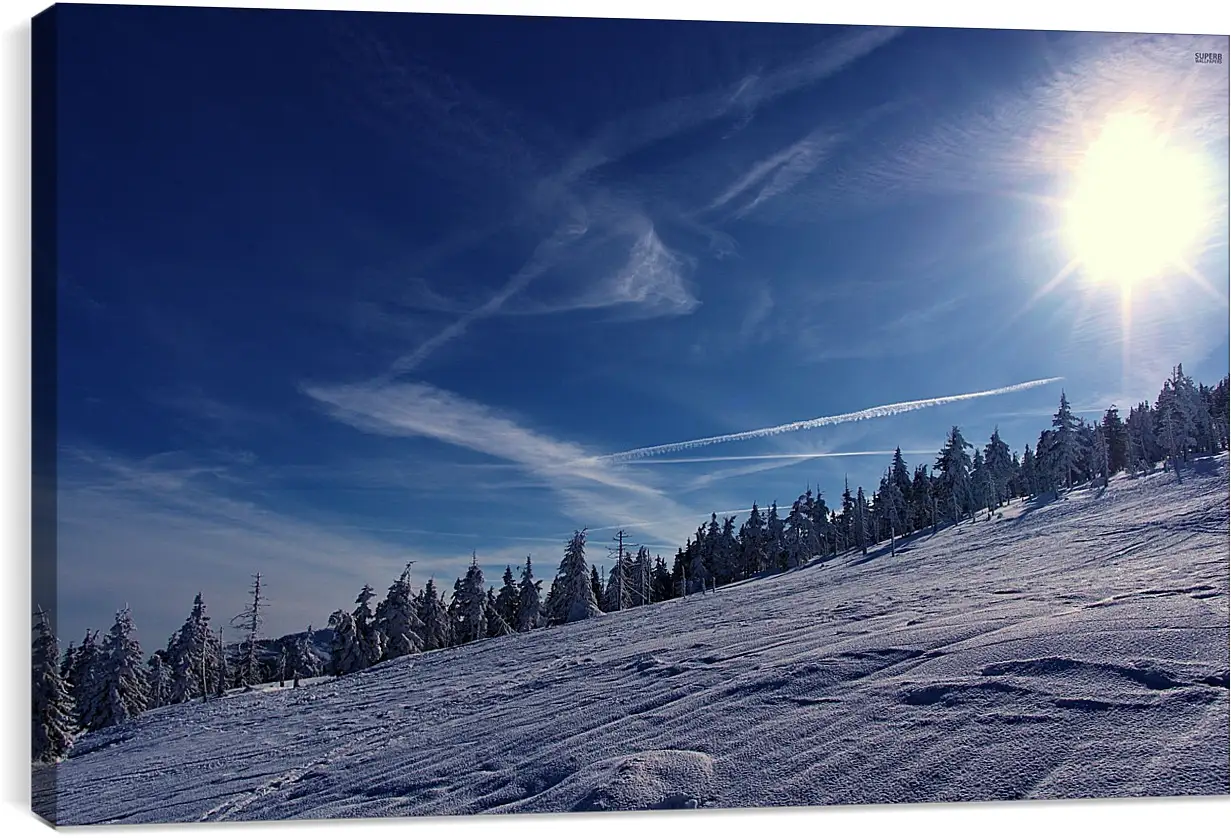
(1072, 649)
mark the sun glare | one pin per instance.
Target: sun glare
(1139, 204)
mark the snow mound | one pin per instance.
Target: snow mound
(647, 780)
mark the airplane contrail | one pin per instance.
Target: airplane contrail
(809, 424)
(802, 456)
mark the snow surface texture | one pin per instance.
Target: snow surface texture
(1071, 649)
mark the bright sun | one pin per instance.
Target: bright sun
(1138, 208)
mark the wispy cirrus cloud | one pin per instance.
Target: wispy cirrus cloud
(776, 174)
(640, 129)
(590, 491)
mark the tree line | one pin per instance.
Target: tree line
(100, 683)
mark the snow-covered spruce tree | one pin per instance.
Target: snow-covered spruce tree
(774, 533)
(469, 605)
(435, 618)
(920, 499)
(85, 667)
(192, 656)
(998, 460)
(159, 677)
(726, 552)
(698, 570)
(67, 661)
(752, 544)
(899, 476)
(662, 580)
(346, 654)
(506, 600)
(53, 716)
(795, 537)
(954, 466)
(282, 664)
(497, 626)
(529, 607)
(862, 538)
(1064, 443)
(596, 585)
(1101, 457)
(119, 691)
(371, 643)
(893, 509)
(1115, 433)
(397, 620)
(1029, 478)
(572, 596)
(303, 663)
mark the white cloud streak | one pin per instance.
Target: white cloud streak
(820, 422)
(591, 490)
(801, 456)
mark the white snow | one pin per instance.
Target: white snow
(1073, 649)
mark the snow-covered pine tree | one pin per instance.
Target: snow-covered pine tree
(752, 544)
(726, 553)
(497, 626)
(159, 677)
(1064, 443)
(795, 536)
(67, 661)
(1029, 477)
(529, 607)
(303, 663)
(192, 656)
(371, 643)
(1115, 433)
(85, 667)
(954, 466)
(846, 519)
(119, 691)
(282, 664)
(698, 571)
(596, 585)
(921, 498)
(437, 633)
(900, 478)
(1101, 457)
(894, 509)
(998, 460)
(469, 605)
(774, 531)
(346, 653)
(397, 621)
(53, 716)
(506, 600)
(572, 594)
(861, 522)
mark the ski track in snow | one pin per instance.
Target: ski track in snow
(1071, 649)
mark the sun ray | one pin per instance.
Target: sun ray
(1201, 282)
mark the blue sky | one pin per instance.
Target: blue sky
(340, 291)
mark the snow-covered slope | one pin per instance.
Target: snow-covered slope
(1074, 649)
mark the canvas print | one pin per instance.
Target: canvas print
(459, 414)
